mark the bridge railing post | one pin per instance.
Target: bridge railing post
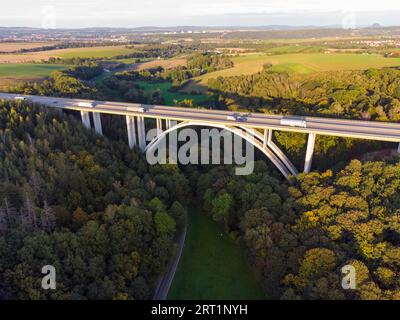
(159, 126)
(309, 152)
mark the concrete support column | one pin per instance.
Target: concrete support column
(267, 138)
(398, 149)
(141, 133)
(85, 119)
(159, 126)
(130, 125)
(265, 141)
(97, 123)
(309, 152)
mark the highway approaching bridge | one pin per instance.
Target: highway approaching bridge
(257, 126)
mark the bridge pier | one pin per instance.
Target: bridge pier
(130, 125)
(97, 123)
(309, 152)
(141, 133)
(86, 119)
(398, 149)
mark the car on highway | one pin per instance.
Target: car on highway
(236, 117)
(294, 122)
(137, 109)
(19, 98)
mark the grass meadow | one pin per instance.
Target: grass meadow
(213, 266)
(304, 63)
(171, 96)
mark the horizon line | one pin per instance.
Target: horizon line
(335, 26)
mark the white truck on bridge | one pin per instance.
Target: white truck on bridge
(18, 98)
(137, 109)
(292, 122)
(85, 104)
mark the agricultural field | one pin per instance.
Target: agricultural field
(15, 46)
(24, 57)
(90, 52)
(13, 73)
(295, 49)
(165, 63)
(247, 64)
(29, 70)
(133, 60)
(93, 52)
(170, 96)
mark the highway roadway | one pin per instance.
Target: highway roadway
(371, 130)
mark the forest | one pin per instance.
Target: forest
(110, 224)
(87, 205)
(300, 236)
(197, 64)
(372, 94)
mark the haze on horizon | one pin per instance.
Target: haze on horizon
(168, 13)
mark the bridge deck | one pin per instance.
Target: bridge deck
(372, 130)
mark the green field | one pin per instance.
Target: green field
(295, 49)
(212, 265)
(16, 70)
(291, 68)
(170, 96)
(95, 52)
(133, 60)
(299, 62)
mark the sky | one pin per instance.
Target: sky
(136, 13)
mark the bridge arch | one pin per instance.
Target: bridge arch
(252, 136)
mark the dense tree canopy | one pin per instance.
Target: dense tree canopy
(370, 94)
(90, 207)
(299, 242)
